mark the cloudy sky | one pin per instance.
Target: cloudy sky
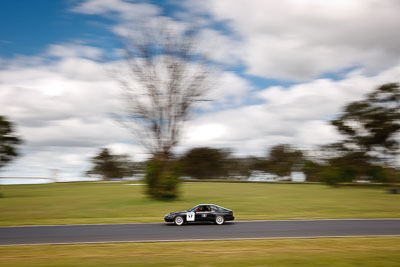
(286, 68)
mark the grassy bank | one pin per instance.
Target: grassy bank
(71, 203)
(383, 251)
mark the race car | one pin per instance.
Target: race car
(201, 213)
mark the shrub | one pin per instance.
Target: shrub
(162, 179)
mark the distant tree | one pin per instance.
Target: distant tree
(206, 163)
(256, 164)
(370, 144)
(8, 142)
(165, 77)
(352, 166)
(243, 166)
(312, 170)
(110, 166)
(282, 159)
(370, 126)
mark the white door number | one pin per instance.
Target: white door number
(190, 216)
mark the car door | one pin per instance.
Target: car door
(200, 213)
(204, 213)
(213, 213)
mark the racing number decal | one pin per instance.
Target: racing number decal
(190, 216)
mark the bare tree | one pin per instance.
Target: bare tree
(165, 75)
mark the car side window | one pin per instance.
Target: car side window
(204, 208)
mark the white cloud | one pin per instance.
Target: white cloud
(64, 116)
(302, 39)
(219, 47)
(228, 90)
(297, 115)
(62, 110)
(74, 50)
(206, 133)
(123, 9)
(137, 152)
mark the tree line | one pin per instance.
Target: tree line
(216, 163)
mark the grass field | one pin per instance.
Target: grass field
(118, 203)
(74, 203)
(382, 251)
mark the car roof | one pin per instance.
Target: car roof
(210, 205)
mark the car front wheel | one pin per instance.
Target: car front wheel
(219, 220)
(178, 220)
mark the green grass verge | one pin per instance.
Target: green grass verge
(379, 251)
(74, 203)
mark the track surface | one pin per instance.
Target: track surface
(169, 232)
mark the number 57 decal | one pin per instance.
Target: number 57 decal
(190, 216)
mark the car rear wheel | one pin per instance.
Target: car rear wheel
(219, 220)
(178, 220)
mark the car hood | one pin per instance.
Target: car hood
(177, 212)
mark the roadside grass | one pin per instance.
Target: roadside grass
(360, 251)
(99, 202)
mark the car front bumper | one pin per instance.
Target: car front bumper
(169, 218)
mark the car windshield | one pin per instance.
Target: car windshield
(194, 208)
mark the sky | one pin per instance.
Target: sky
(285, 69)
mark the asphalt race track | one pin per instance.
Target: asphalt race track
(148, 232)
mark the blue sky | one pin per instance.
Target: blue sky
(285, 68)
(34, 25)
(29, 26)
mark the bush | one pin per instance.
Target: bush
(162, 179)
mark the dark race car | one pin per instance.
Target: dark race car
(201, 213)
